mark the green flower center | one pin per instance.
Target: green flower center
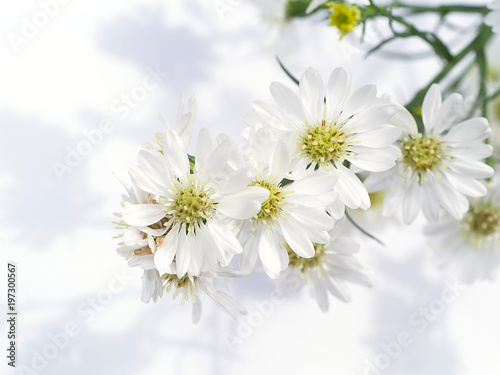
(307, 264)
(344, 17)
(272, 209)
(423, 153)
(322, 143)
(191, 205)
(482, 220)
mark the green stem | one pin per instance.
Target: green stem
(442, 9)
(478, 43)
(356, 225)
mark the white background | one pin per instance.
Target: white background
(64, 80)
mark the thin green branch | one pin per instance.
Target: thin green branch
(290, 75)
(356, 225)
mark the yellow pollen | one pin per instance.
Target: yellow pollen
(422, 154)
(305, 265)
(272, 209)
(322, 143)
(345, 17)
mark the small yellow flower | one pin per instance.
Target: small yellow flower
(344, 16)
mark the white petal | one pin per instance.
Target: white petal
(339, 88)
(359, 101)
(351, 189)
(338, 288)
(312, 93)
(448, 113)
(145, 183)
(465, 185)
(432, 103)
(244, 204)
(280, 160)
(204, 148)
(273, 116)
(165, 253)
(312, 217)
(314, 183)
(287, 100)
(403, 119)
(268, 253)
(197, 310)
(321, 295)
(155, 166)
(140, 215)
(250, 251)
(452, 201)
(183, 255)
(473, 130)
(380, 137)
(197, 255)
(296, 238)
(411, 203)
(374, 160)
(372, 118)
(185, 119)
(175, 153)
(377, 181)
(470, 168)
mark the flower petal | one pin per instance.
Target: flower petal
(312, 93)
(140, 215)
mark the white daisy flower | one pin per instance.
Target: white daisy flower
(189, 287)
(493, 17)
(350, 126)
(329, 270)
(296, 210)
(138, 245)
(469, 249)
(191, 204)
(440, 167)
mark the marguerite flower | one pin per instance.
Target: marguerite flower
(330, 269)
(296, 210)
(189, 288)
(138, 245)
(350, 127)
(469, 249)
(191, 204)
(493, 17)
(440, 167)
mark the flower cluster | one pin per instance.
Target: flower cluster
(190, 220)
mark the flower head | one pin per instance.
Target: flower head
(332, 265)
(190, 205)
(469, 249)
(348, 127)
(439, 167)
(295, 210)
(345, 17)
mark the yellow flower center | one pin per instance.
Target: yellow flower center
(422, 154)
(323, 143)
(482, 220)
(191, 205)
(305, 265)
(272, 209)
(345, 17)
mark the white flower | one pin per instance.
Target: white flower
(189, 288)
(332, 266)
(351, 126)
(138, 246)
(191, 204)
(296, 210)
(440, 167)
(469, 249)
(493, 18)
